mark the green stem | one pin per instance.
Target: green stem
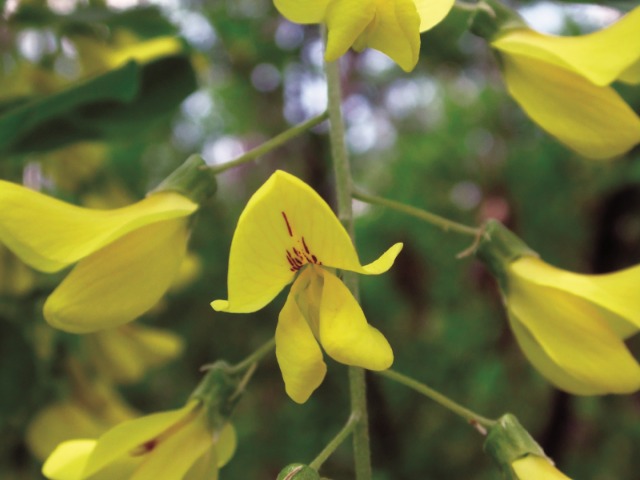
(335, 442)
(342, 173)
(271, 144)
(255, 357)
(444, 223)
(470, 416)
(465, 6)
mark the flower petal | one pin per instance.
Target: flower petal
(344, 332)
(226, 444)
(126, 353)
(68, 460)
(631, 75)
(121, 281)
(297, 350)
(283, 217)
(574, 337)
(302, 11)
(601, 57)
(616, 292)
(121, 440)
(533, 467)
(49, 234)
(346, 20)
(395, 31)
(432, 12)
(594, 121)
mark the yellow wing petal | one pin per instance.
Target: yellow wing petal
(68, 460)
(49, 234)
(121, 281)
(226, 444)
(346, 20)
(631, 75)
(344, 332)
(533, 467)
(286, 222)
(574, 336)
(594, 121)
(395, 31)
(297, 350)
(432, 12)
(303, 11)
(616, 292)
(601, 57)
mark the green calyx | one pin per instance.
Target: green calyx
(220, 391)
(491, 18)
(507, 441)
(193, 179)
(498, 247)
(298, 471)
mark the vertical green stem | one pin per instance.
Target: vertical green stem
(342, 172)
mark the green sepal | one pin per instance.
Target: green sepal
(498, 247)
(220, 391)
(508, 441)
(298, 471)
(491, 19)
(193, 179)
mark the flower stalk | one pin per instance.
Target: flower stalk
(335, 442)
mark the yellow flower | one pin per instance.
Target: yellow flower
(171, 445)
(286, 233)
(390, 26)
(571, 327)
(126, 257)
(533, 467)
(563, 84)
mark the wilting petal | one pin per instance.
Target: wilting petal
(432, 12)
(573, 336)
(395, 31)
(616, 292)
(346, 20)
(344, 332)
(302, 11)
(121, 281)
(601, 57)
(49, 234)
(126, 353)
(287, 219)
(533, 467)
(298, 353)
(592, 120)
(69, 459)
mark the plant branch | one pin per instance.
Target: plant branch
(255, 357)
(335, 442)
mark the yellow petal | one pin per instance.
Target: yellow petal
(68, 460)
(205, 467)
(146, 51)
(126, 353)
(121, 281)
(615, 292)
(344, 332)
(298, 353)
(127, 437)
(432, 12)
(601, 57)
(631, 75)
(574, 336)
(226, 444)
(594, 121)
(49, 234)
(395, 31)
(302, 11)
(346, 20)
(533, 467)
(287, 221)
(172, 458)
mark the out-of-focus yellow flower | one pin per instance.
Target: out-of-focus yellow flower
(16, 279)
(390, 26)
(517, 453)
(571, 327)
(173, 445)
(563, 83)
(126, 257)
(72, 166)
(91, 409)
(286, 233)
(124, 354)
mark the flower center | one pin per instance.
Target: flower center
(300, 254)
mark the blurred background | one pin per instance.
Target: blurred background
(446, 138)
